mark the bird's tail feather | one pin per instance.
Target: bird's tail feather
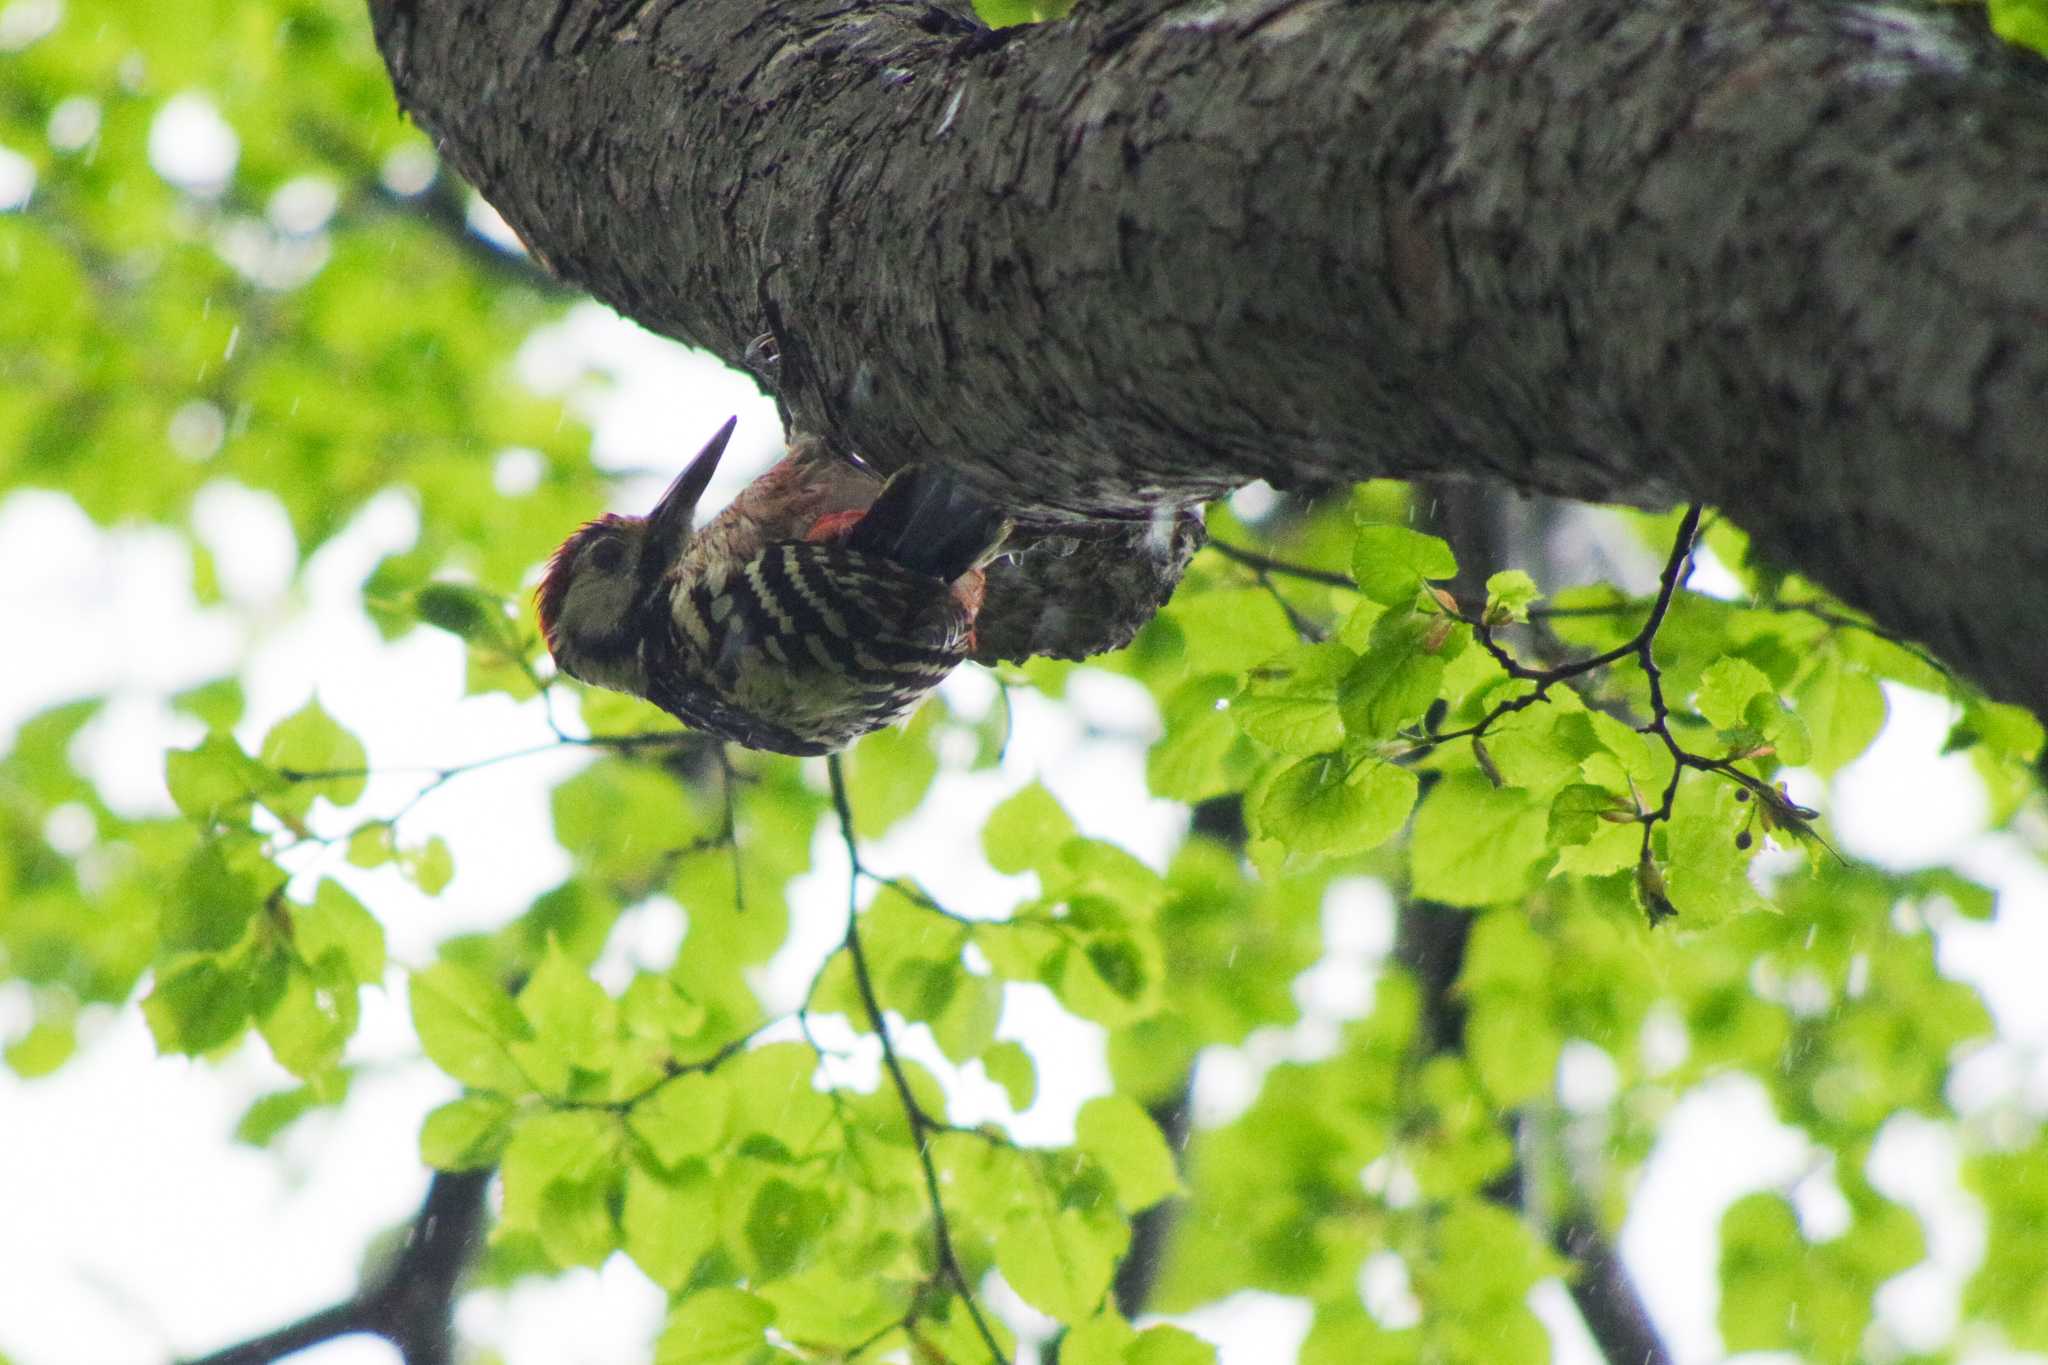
(928, 522)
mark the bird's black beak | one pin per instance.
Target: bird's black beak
(671, 519)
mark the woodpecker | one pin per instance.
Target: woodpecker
(820, 605)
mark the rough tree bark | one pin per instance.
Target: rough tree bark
(1784, 256)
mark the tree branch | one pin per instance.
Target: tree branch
(1430, 944)
(411, 1303)
(1784, 258)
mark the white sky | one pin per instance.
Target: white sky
(134, 1229)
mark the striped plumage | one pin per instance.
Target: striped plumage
(820, 605)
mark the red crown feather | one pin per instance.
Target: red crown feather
(554, 580)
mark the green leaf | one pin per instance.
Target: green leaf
(670, 1221)
(653, 1008)
(44, 1048)
(715, 1327)
(268, 1115)
(2013, 1188)
(1099, 1341)
(1007, 13)
(1289, 702)
(558, 1170)
(1761, 1272)
(431, 866)
(310, 1022)
(688, 1116)
(1531, 749)
(1228, 630)
(1514, 1049)
(197, 1006)
(1577, 812)
(337, 923)
(467, 1134)
(1616, 756)
(217, 705)
(1509, 595)
(889, 771)
(215, 782)
(1114, 979)
(1203, 753)
(1844, 708)
(1166, 1344)
(1010, 1065)
(1393, 683)
(467, 1024)
(1391, 562)
(209, 907)
(827, 1306)
(316, 757)
(1726, 688)
(2010, 731)
(1324, 805)
(1059, 1264)
(966, 1026)
(573, 1019)
(784, 1220)
(1120, 1135)
(1096, 870)
(1707, 874)
(621, 819)
(1612, 848)
(776, 1101)
(465, 611)
(1025, 831)
(1475, 843)
(1348, 1335)
(576, 1222)
(1782, 729)
(41, 760)
(2021, 22)
(371, 845)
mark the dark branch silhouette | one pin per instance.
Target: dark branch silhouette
(411, 1302)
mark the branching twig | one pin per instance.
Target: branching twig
(1252, 559)
(1308, 630)
(440, 777)
(1642, 646)
(1265, 565)
(922, 1125)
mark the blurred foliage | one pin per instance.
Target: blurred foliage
(159, 339)
(2021, 21)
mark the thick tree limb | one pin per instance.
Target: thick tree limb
(411, 1303)
(1784, 257)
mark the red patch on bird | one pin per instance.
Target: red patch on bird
(834, 525)
(969, 589)
(554, 579)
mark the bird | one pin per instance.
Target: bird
(822, 604)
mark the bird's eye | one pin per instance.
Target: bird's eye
(608, 556)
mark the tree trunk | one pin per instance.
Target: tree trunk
(1786, 257)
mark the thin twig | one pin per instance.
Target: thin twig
(1308, 630)
(440, 777)
(1827, 615)
(922, 1125)
(1645, 647)
(1252, 559)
